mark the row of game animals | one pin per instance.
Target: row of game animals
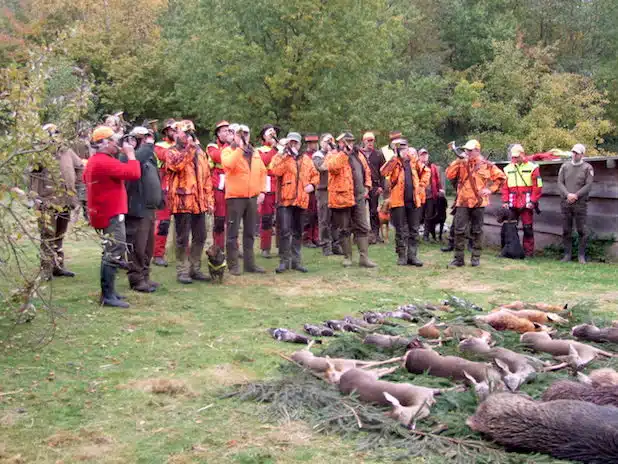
(409, 312)
(553, 425)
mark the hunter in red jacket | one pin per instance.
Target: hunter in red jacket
(521, 193)
(266, 210)
(224, 137)
(163, 216)
(104, 177)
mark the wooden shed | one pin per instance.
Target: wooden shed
(602, 206)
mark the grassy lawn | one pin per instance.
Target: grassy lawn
(86, 396)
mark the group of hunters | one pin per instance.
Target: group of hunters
(131, 186)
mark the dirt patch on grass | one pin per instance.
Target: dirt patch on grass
(323, 286)
(6, 457)
(83, 445)
(92, 452)
(65, 438)
(462, 285)
(161, 386)
(610, 297)
(292, 433)
(164, 318)
(197, 453)
(9, 419)
(224, 375)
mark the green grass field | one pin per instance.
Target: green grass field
(86, 395)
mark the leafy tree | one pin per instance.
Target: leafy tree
(29, 95)
(518, 97)
(301, 64)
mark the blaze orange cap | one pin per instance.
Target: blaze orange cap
(101, 133)
(221, 124)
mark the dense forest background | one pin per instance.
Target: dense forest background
(539, 72)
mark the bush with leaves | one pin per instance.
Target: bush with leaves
(30, 93)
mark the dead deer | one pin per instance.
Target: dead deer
(433, 331)
(421, 360)
(517, 368)
(535, 315)
(565, 429)
(505, 320)
(592, 333)
(333, 368)
(540, 306)
(572, 353)
(409, 402)
(386, 341)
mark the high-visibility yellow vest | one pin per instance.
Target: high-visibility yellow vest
(520, 175)
(210, 160)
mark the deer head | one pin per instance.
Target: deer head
(512, 380)
(481, 389)
(407, 415)
(332, 375)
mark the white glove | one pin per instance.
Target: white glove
(309, 188)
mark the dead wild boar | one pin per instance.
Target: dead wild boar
(565, 429)
(604, 395)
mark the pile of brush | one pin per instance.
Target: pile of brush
(472, 375)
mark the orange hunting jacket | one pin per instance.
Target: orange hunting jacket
(340, 180)
(190, 187)
(421, 175)
(293, 175)
(474, 175)
(243, 180)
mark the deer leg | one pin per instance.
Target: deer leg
(555, 367)
(458, 388)
(366, 364)
(377, 373)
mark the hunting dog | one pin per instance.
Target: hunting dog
(437, 218)
(384, 214)
(216, 263)
(509, 237)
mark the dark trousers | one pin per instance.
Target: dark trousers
(406, 220)
(291, 226)
(114, 241)
(140, 241)
(474, 218)
(53, 225)
(191, 226)
(329, 234)
(574, 213)
(311, 233)
(245, 210)
(352, 220)
(374, 219)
